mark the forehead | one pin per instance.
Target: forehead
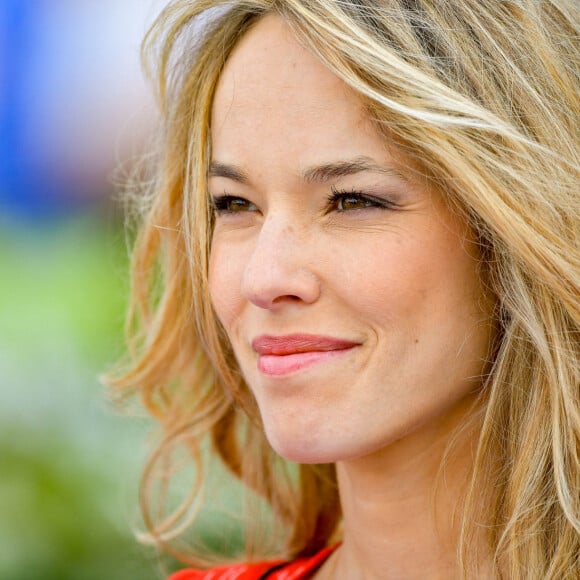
(275, 87)
(270, 52)
(278, 109)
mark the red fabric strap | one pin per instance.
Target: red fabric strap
(280, 570)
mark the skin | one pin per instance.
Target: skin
(395, 274)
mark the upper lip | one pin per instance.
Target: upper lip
(296, 343)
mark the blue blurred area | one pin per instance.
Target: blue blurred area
(22, 184)
(28, 183)
(70, 88)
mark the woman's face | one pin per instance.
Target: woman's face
(349, 291)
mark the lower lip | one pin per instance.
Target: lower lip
(276, 365)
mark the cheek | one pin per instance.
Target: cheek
(383, 279)
(409, 282)
(225, 275)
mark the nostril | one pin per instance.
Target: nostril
(286, 298)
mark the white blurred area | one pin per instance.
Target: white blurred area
(98, 111)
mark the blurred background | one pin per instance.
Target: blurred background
(73, 106)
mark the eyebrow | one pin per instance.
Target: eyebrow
(315, 174)
(232, 172)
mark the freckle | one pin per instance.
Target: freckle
(416, 341)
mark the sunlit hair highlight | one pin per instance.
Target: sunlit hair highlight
(484, 98)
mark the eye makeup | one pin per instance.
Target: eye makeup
(343, 200)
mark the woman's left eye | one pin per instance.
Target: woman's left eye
(342, 201)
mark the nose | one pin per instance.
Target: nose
(279, 270)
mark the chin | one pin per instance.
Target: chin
(301, 446)
(304, 454)
(308, 446)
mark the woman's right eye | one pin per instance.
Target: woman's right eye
(228, 204)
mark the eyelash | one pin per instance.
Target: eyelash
(340, 195)
(223, 204)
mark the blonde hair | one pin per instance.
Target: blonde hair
(485, 97)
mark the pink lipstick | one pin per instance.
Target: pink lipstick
(281, 355)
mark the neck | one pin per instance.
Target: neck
(402, 507)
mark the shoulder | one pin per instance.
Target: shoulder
(274, 570)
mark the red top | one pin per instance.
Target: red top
(274, 570)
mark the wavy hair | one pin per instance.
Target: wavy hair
(484, 96)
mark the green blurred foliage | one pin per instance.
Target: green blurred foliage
(68, 464)
(62, 281)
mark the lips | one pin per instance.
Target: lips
(280, 355)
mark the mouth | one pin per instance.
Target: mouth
(282, 355)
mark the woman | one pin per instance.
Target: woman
(357, 276)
